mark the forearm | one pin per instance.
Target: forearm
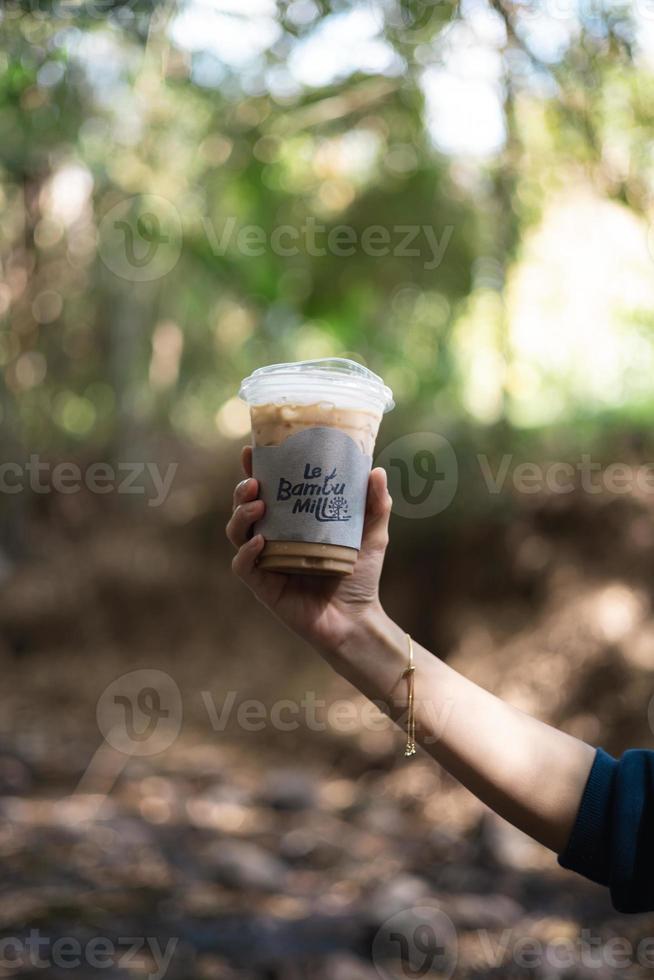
(528, 772)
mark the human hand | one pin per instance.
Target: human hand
(323, 610)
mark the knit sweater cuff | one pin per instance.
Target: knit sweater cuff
(588, 849)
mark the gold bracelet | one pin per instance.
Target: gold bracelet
(410, 674)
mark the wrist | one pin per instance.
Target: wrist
(372, 643)
(360, 623)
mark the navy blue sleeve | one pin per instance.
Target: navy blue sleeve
(612, 841)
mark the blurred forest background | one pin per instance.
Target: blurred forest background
(175, 179)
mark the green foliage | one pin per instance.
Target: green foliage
(293, 208)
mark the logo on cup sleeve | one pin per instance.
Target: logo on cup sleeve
(416, 942)
(314, 483)
(423, 474)
(140, 238)
(140, 713)
(318, 493)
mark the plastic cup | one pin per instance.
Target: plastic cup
(314, 426)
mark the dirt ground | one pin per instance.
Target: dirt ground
(304, 847)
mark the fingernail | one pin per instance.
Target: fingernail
(242, 485)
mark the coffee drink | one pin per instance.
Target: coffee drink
(272, 424)
(314, 426)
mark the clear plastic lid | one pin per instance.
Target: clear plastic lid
(336, 380)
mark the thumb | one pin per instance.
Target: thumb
(378, 512)
(246, 460)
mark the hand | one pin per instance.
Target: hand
(323, 610)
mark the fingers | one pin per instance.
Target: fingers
(245, 490)
(240, 523)
(378, 512)
(244, 563)
(247, 508)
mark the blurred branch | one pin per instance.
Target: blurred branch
(512, 34)
(575, 102)
(334, 107)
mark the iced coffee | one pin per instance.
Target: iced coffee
(314, 425)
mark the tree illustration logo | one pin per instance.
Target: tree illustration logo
(338, 508)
